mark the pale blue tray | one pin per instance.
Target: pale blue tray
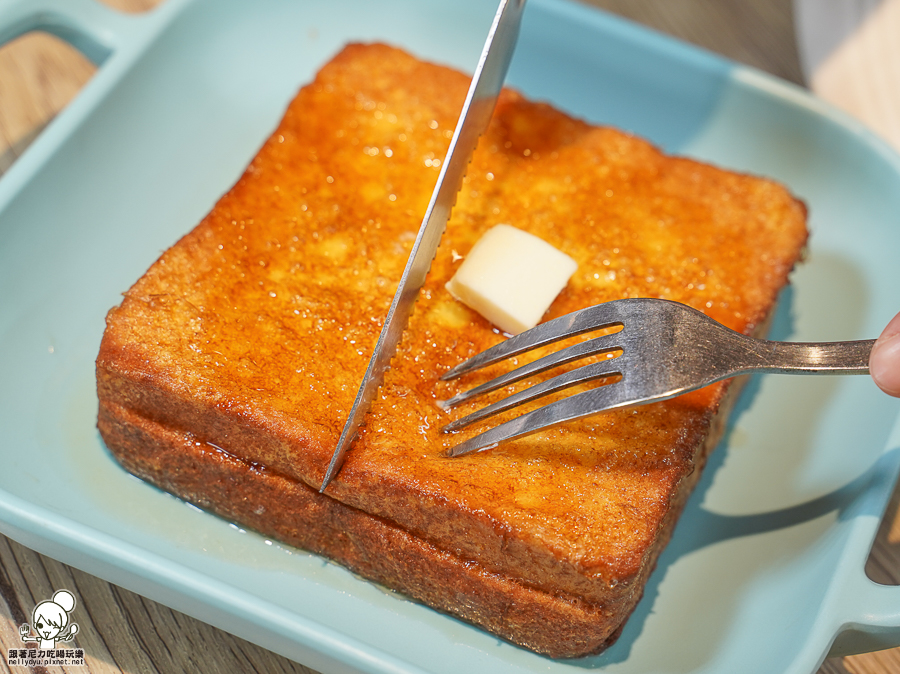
(766, 566)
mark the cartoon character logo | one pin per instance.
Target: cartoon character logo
(50, 621)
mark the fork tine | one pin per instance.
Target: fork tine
(586, 373)
(604, 343)
(578, 322)
(600, 399)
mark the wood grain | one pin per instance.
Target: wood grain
(119, 630)
(123, 632)
(860, 72)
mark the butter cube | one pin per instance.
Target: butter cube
(511, 277)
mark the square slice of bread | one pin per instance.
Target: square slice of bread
(227, 372)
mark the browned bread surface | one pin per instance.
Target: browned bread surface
(251, 334)
(290, 511)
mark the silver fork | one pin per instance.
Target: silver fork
(667, 349)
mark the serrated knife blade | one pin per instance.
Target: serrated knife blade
(473, 120)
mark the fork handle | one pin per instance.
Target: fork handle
(811, 357)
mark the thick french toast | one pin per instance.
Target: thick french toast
(226, 374)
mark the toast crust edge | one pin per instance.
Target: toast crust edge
(553, 624)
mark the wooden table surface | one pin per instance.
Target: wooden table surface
(123, 632)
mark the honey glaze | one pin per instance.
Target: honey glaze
(282, 291)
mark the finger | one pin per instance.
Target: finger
(884, 363)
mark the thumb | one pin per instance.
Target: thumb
(884, 363)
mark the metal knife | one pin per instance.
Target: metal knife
(473, 120)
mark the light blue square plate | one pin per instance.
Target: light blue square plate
(765, 570)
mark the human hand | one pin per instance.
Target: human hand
(884, 363)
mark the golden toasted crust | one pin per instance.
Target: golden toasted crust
(251, 334)
(290, 511)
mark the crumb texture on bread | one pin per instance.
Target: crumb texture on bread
(251, 334)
